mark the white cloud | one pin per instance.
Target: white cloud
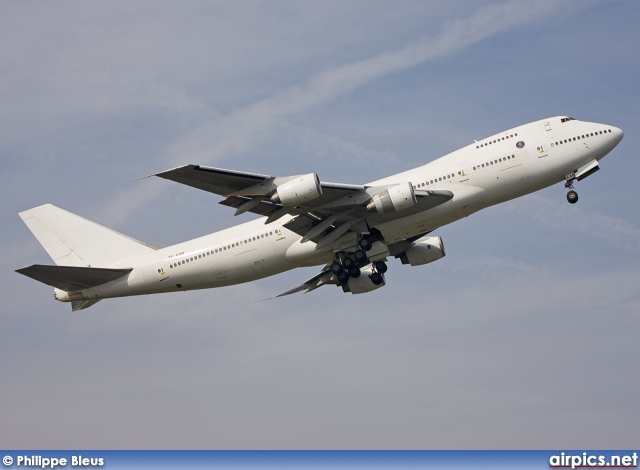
(241, 129)
(558, 215)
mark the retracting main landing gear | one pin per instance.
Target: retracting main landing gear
(344, 267)
(360, 256)
(347, 265)
(572, 195)
(379, 268)
(365, 243)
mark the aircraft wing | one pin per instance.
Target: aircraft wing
(333, 210)
(238, 183)
(319, 280)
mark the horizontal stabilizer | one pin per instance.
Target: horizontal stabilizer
(70, 278)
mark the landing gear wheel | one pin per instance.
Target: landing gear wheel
(348, 263)
(572, 197)
(365, 244)
(376, 278)
(355, 272)
(360, 256)
(380, 266)
(336, 267)
(343, 277)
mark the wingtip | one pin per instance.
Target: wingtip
(160, 173)
(143, 178)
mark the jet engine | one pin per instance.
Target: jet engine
(364, 283)
(423, 251)
(394, 199)
(298, 190)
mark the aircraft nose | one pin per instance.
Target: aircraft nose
(618, 133)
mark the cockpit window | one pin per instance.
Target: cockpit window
(567, 119)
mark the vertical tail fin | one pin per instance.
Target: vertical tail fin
(72, 240)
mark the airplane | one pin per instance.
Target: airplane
(351, 230)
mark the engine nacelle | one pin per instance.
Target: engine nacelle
(423, 251)
(394, 199)
(363, 283)
(298, 190)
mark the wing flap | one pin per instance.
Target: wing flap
(262, 208)
(70, 278)
(82, 304)
(301, 224)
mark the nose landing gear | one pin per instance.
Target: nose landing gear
(572, 195)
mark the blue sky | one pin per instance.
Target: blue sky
(524, 336)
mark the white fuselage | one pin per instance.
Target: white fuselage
(479, 175)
